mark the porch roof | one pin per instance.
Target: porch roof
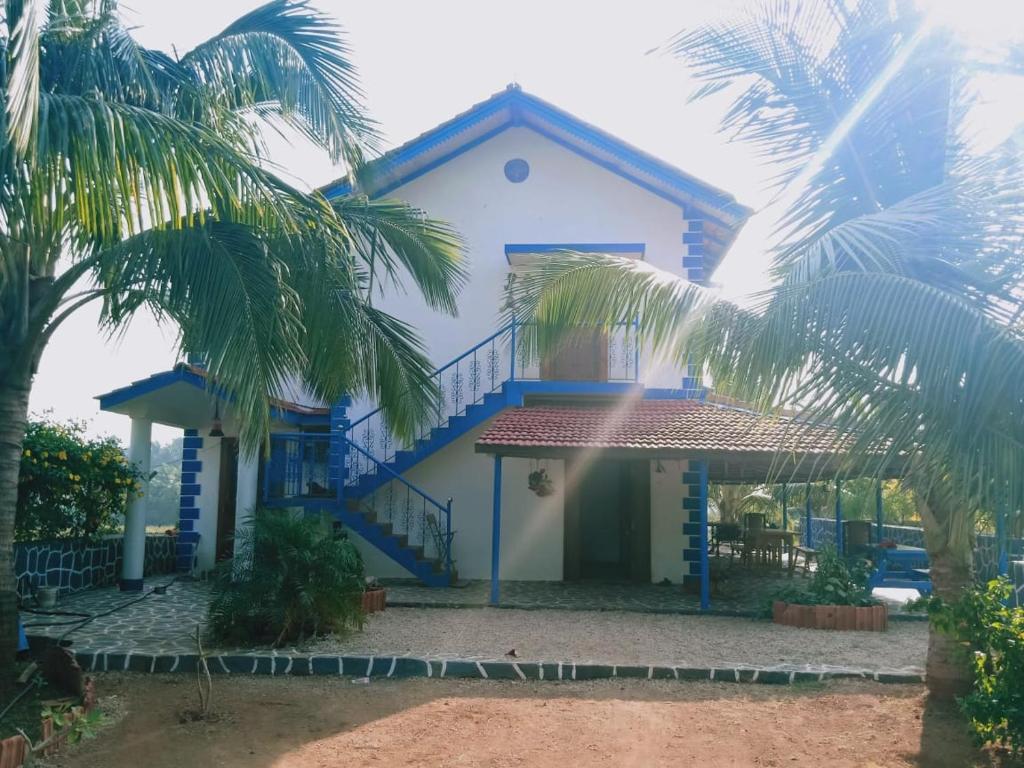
(739, 444)
(183, 397)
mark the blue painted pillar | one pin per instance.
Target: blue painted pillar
(808, 535)
(705, 566)
(879, 516)
(338, 446)
(839, 516)
(1003, 559)
(496, 531)
(785, 505)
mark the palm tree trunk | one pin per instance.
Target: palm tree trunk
(14, 393)
(949, 540)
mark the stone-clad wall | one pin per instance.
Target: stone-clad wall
(76, 564)
(986, 552)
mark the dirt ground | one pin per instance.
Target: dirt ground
(328, 722)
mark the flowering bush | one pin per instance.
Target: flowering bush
(71, 485)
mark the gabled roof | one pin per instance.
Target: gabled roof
(722, 215)
(196, 377)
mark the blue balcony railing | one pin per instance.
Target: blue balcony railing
(470, 377)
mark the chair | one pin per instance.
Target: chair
(753, 524)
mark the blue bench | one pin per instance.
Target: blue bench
(901, 568)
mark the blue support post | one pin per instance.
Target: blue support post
(1003, 559)
(705, 566)
(879, 517)
(839, 516)
(785, 505)
(808, 536)
(496, 531)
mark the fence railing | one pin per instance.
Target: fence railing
(467, 379)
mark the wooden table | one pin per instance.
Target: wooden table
(767, 545)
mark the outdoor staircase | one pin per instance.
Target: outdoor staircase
(363, 519)
(358, 471)
(437, 438)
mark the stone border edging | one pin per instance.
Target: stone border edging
(301, 665)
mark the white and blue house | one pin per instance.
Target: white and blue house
(592, 463)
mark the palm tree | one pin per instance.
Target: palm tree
(731, 502)
(136, 179)
(896, 308)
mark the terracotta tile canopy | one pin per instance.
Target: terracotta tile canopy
(740, 444)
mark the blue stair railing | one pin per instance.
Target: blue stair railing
(466, 381)
(415, 527)
(409, 510)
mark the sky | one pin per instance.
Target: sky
(423, 62)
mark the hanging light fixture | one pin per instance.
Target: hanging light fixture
(217, 429)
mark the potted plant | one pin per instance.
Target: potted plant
(540, 483)
(374, 596)
(838, 597)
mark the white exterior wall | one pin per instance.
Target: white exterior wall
(667, 517)
(565, 199)
(209, 489)
(532, 527)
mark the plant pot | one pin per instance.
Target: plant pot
(46, 597)
(374, 600)
(866, 618)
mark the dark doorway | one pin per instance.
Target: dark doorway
(582, 355)
(226, 497)
(608, 522)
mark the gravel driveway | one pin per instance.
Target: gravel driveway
(627, 638)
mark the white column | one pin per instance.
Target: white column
(135, 518)
(246, 492)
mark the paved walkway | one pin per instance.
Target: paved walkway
(545, 630)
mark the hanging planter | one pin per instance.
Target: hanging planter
(540, 483)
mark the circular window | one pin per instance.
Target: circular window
(517, 170)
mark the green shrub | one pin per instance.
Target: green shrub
(838, 580)
(290, 581)
(69, 485)
(992, 632)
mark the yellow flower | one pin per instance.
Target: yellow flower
(46, 454)
(62, 455)
(86, 456)
(27, 453)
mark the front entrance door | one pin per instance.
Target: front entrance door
(607, 514)
(226, 497)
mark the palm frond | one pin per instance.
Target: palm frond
(221, 284)
(287, 53)
(21, 81)
(394, 239)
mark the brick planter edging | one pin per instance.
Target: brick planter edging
(406, 667)
(867, 618)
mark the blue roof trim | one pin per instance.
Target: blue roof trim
(151, 384)
(519, 103)
(182, 374)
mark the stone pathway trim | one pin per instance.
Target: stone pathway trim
(368, 667)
